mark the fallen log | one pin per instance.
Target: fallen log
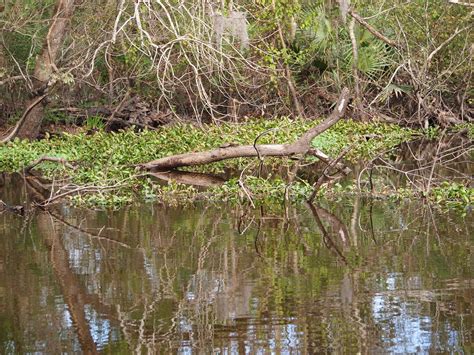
(301, 146)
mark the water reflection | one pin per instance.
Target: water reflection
(361, 276)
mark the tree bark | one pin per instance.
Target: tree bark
(301, 146)
(29, 125)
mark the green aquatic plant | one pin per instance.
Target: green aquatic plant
(453, 195)
(101, 160)
(126, 148)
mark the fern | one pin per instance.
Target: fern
(373, 59)
(394, 89)
(317, 28)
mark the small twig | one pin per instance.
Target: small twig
(289, 77)
(333, 163)
(445, 43)
(118, 108)
(326, 159)
(242, 186)
(258, 137)
(15, 209)
(257, 235)
(89, 234)
(355, 66)
(435, 158)
(89, 188)
(79, 189)
(242, 231)
(256, 149)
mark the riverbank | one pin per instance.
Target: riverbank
(98, 169)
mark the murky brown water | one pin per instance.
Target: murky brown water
(356, 276)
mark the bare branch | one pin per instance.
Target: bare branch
(372, 30)
(445, 43)
(11, 79)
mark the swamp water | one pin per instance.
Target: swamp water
(358, 275)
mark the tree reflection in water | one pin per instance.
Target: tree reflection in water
(155, 279)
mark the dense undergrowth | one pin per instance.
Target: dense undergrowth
(302, 44)
(107, 161)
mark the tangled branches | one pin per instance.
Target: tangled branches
(187, 51)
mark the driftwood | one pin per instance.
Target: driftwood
(301, 146)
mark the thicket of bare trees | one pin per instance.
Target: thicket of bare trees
(151, 61)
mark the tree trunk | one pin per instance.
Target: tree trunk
(301, 146)
(30, 124)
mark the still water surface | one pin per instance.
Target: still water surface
(355, 276)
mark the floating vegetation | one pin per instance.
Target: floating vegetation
(106, 162)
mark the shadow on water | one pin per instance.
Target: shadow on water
(189, 178)
(361, 275)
